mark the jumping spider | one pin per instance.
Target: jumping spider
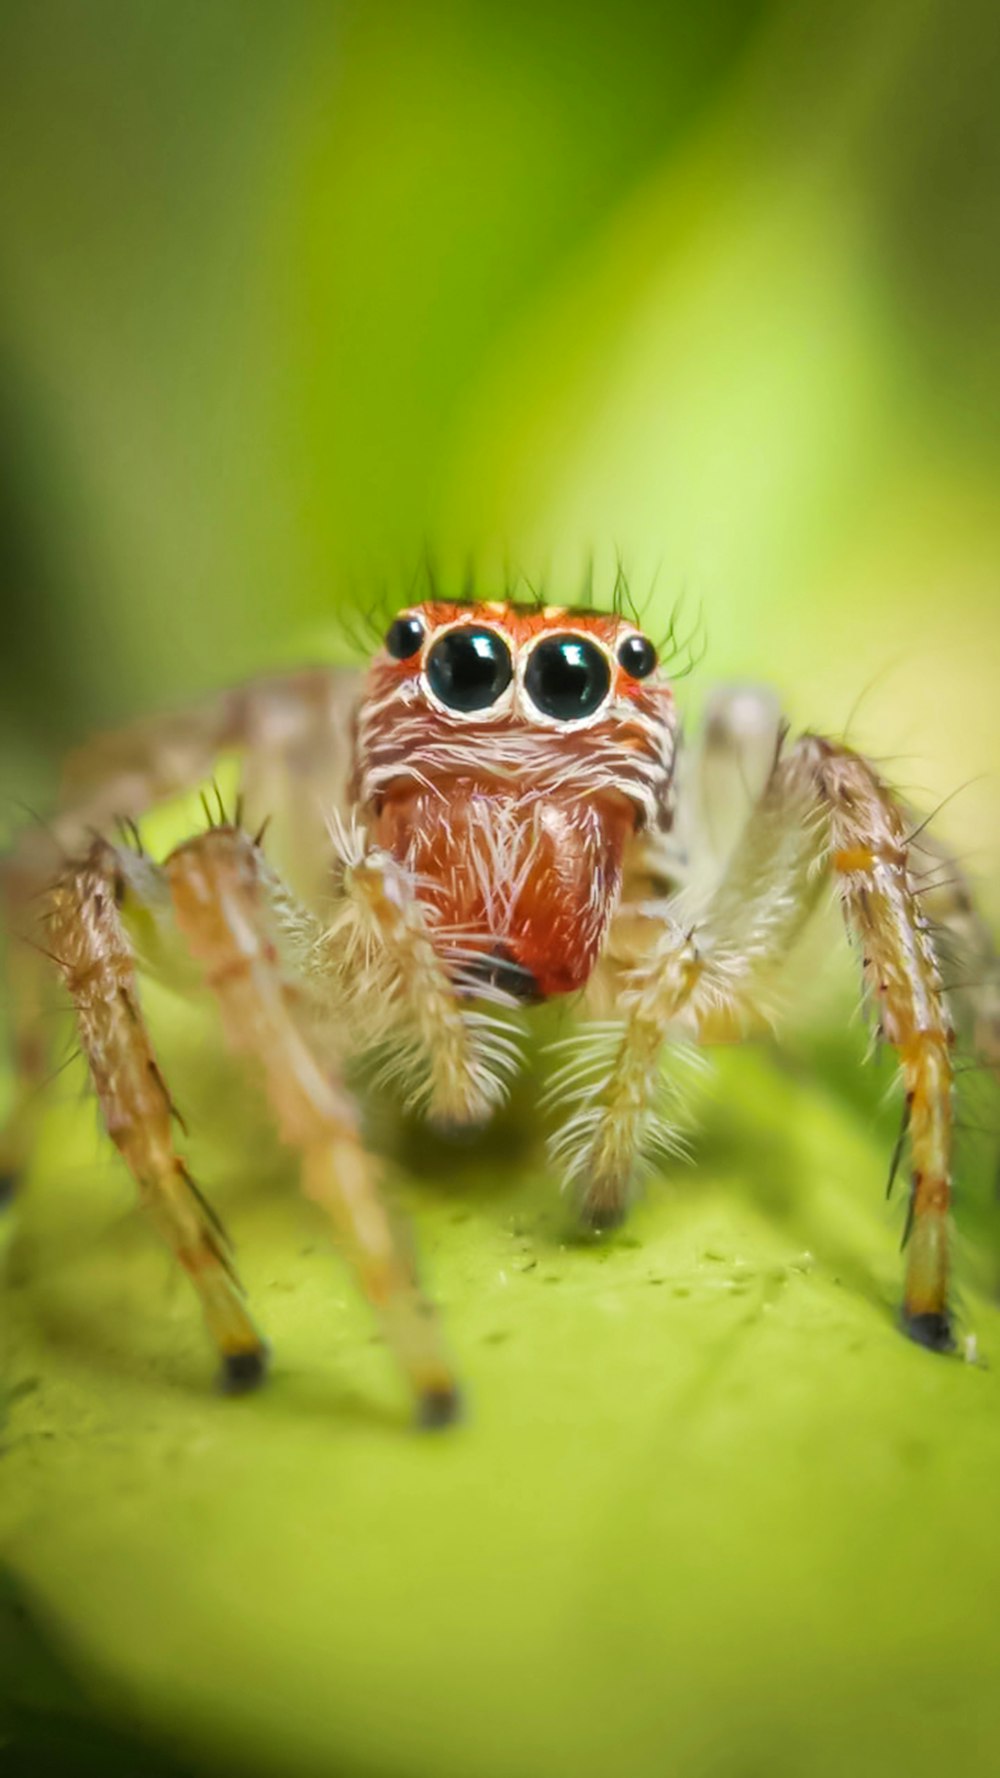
(496, 814)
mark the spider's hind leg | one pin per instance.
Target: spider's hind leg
(89, 940)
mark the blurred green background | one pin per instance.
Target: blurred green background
(291, 293)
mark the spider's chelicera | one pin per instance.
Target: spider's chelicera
(490, 816)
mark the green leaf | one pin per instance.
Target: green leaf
(709, 1511)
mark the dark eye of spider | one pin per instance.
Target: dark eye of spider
(567, 677)
(469, 669)
(638, 656)
(404, 637)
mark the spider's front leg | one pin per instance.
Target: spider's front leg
(823, 809)
(221, 901)
(90, 941)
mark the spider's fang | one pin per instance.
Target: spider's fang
(499, 968)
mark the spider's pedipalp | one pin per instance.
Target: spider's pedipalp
(400, 978)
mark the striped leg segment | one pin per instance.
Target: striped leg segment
(963, 942)
(870, 854)
(88, 937)
(824, 809)
(223, 909)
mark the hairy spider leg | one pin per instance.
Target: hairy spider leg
(824, 809)
(221, 907)
(292, 731)
(91, 946)
(279, 721)
(963, 941)
(870, 852)
(728, 768)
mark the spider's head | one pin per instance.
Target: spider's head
(528, 698)
(506, 755)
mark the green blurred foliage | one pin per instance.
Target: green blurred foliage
(709, 1512)
(289, 294)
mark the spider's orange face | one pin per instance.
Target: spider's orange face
(487, 691)
(506, 755)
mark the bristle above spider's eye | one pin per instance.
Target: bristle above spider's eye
(567, 677)
(404, 637)
(637, 656)
(469, 668)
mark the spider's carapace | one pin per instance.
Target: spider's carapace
(505, 756)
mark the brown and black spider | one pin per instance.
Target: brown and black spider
(496, 814)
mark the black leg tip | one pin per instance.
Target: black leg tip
(931, 1330)
(438, 1408)
(8, 1189)
(602, 1219)
(243, 1371)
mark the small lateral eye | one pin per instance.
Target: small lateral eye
(567, 677)
(404, 637)
(637, 656)
(469, 668)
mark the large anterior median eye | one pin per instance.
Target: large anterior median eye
(567, 677)
(469, 668)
